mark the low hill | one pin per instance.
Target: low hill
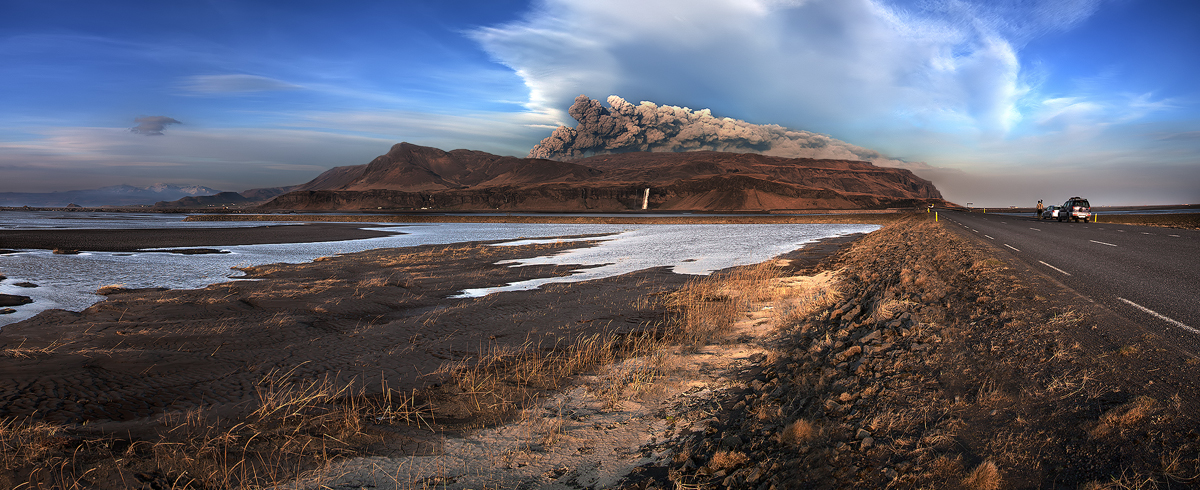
(117, 195)
(227, 199)
(412, 177)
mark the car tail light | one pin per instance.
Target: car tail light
(1076, 208)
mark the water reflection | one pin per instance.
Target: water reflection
(69, 281)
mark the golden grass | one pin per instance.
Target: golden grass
(298, 426)
(798, 432)
(727, 459)
(108, 289)
(886, 310)
(706, 308)
(22, 352)
(23, 441)
(986, 476)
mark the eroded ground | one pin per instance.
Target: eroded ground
(911, 359)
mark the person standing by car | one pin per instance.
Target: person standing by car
(1040, 209)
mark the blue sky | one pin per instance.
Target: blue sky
(1007, 102)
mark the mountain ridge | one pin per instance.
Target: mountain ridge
(413, 177)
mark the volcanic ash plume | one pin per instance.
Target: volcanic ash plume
(651, 127)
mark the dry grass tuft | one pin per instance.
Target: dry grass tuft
(498, 381)
(1126, 481)
(1127, 416)
(706, 308)
(984, 477)
(886, 310)
(798, 432)
(24, 441)
(723, 460)
(22, 352)
(108, 289)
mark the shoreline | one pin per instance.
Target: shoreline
(141, 239)
(840, 218)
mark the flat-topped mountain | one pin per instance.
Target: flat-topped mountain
(411, 177)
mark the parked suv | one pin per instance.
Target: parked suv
(1075, 209)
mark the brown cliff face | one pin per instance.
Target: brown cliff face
(411, 177)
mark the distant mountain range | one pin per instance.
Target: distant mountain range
(117, 195)
(412, 177)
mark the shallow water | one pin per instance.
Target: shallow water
(69, 281)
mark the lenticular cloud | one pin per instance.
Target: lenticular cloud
(624, 127)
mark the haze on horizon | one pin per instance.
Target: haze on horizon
(1007, 102)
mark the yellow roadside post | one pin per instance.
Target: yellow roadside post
(935, 216)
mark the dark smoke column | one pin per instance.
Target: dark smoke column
(625, 127)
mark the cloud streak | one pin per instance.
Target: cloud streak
(234, 84)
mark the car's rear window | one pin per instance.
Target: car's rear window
(1083, 203)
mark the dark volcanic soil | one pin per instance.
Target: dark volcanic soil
(382, 314)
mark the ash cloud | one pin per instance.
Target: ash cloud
(152, 125)
(624, 127)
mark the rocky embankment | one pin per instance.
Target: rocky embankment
(942, 367)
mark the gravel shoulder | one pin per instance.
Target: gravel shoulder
(944, 365)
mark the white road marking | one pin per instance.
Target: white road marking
(1055, 268)
(1102, 243)
(990, 238)
(974, 230)
(1160, 316)
(1144, 233)
(1012, 247)
(1035, 229)
(1176, 236)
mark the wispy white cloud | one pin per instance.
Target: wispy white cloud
(233, 84)
(503, 133)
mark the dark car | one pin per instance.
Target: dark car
(1075, 209)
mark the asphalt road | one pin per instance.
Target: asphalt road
(1146, 274)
